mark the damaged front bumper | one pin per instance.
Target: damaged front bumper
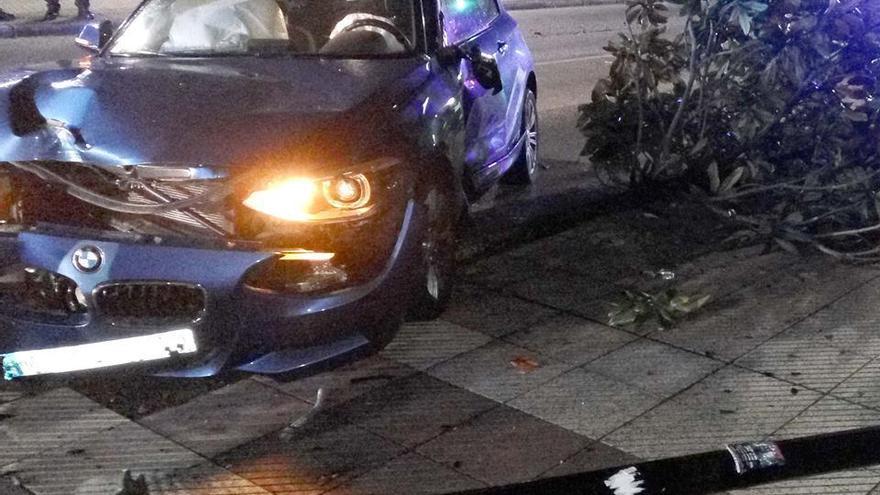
(194, 306)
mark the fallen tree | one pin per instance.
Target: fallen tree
(767, 110)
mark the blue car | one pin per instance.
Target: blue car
(261, 185)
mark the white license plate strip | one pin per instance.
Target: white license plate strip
(99, 354)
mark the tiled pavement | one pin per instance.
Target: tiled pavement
(519, 379)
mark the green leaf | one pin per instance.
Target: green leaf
(714, 181)
(698, 147)
(855, 116)
(621, 318)
(731, 180)
(786, 245)
(745, 23)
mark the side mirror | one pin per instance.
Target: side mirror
(450, 55)
(485, 66)
(94, 35)
(486, 70)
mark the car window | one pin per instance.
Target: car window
(465, 18)
(311, 27)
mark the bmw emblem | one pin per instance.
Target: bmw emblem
(88, 259)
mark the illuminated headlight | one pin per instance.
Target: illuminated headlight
(305, 200)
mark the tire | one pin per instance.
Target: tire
(436, 276)
(525, 167)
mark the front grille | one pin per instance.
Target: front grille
(150, 303)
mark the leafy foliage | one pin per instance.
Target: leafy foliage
(667, 307)
(768, 108)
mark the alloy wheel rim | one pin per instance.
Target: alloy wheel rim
(531, 119)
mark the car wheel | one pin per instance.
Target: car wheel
(525, 167)
(437, 256)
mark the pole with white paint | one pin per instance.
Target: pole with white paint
(737, 466)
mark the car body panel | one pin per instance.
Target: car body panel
(221, 118)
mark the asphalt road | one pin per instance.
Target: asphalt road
(567, 44)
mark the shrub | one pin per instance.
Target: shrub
(768, 110)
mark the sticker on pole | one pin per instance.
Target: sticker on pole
(754, 456)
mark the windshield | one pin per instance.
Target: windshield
(332, 28)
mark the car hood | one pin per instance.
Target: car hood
(199, 111)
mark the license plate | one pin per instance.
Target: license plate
(99, 354)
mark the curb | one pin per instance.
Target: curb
(31, 29)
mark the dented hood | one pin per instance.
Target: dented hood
(199, 111)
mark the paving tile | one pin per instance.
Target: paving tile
(135, 395)
(565, 291)
(343, 383)
(503, 446)
(655, 366)
(859, 481)
(227, 417)
(827, 416)
(571, 339)
(808, 362)
(413, 410)
(760, 399)
(316, 459)
(10, 485)
(489, 371)
(845, 324)
(94, 464)
(725, 272)
(424, 344)
(409, 474)
(674, 430)
(732, 405)
(586, 402)
(204, 479)
(587, 259)
(50, 419)
(10, 391)
(501, 270)
(742, 321)
(863, 387)
(492, 313)
(593, 457)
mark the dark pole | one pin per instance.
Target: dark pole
(739, 466)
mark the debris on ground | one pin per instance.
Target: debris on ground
(302, 420)
(133, 486)
(524, 364)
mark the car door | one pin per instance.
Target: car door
(481, 29)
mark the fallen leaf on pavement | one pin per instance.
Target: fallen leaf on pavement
(525, 364)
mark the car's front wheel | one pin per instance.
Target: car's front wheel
(525, 167)
(437, 254)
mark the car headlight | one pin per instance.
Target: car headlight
(339, 198)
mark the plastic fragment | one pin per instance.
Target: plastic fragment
(525, 364)
(302, 420)
(133, 486)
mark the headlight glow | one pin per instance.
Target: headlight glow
(290, 199)
(306, 200)
(349, 191)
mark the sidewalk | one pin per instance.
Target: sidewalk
(30, 12)
(520, 379)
